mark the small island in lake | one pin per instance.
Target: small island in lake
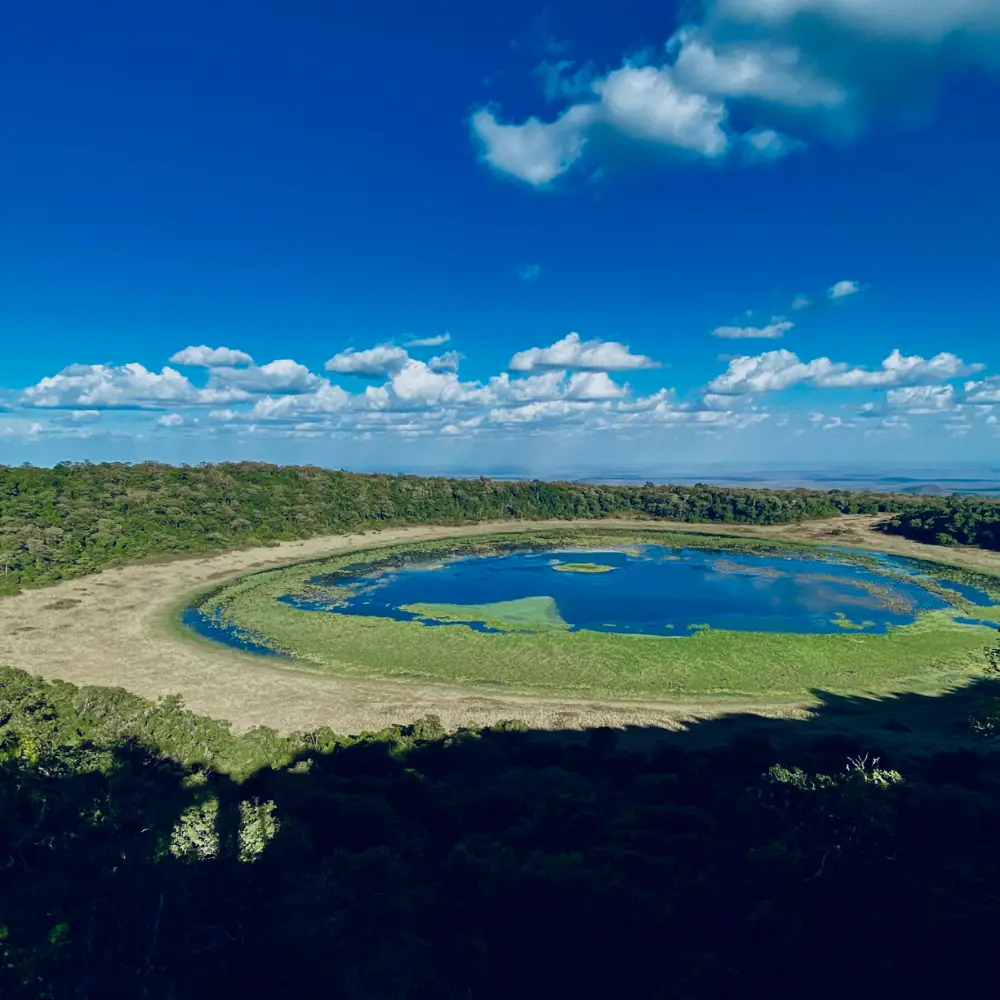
(583, 567)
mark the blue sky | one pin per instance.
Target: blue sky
(747, 231)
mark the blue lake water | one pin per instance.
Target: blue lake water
(651, 591)
(210, 628)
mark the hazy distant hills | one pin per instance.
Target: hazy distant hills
(920, 482)
(926, 490)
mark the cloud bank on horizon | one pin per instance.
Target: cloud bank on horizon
(570, 386)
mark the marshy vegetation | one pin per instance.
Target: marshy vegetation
(290, 611)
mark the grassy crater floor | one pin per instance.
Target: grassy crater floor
(531, 649)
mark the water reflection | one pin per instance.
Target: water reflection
(644, 590)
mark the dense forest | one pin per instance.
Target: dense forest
(78, 518)
(955, 521)
(147, 852)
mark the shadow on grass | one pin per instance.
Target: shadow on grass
(854, 850)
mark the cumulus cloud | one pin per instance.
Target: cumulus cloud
(170, 420)
(778, 327)
(536, 152)
(922, 399)
(437, 341)
(776, 370)
(928, 21)
(210, 357)
(768, 372)
(547, 385)
(594, 386)
(899, 370)
(843, 290)
(129, 386)
(324, 400)
(753, 70)
(641, 104)
(561, 410)
(416, 384)
(572, 354)
(792, 69)
(446, 362)
(986, 391)
(385, 359)
(283, 376)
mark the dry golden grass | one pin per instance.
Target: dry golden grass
(113, 629)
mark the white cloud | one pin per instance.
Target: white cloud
(170, 420)
(576, 355)
(530, 272)
(210, 357)
(437, 341)
(647, 104)
(922, 399)
(324, 400)
(926, 21)
(766, 144)
(755, 70)
(899, 370)
(801, 302)
(108, 386)
(284, 376)
(643, 104)
(775, 370)
(986, 391)
(768, 372)
(561, 410)
(548, 385)
(85, 416)
(535, 152)
(815, 68)
(778, 327)
(463, 426)
(415, 384)
(446, 362)
(594, 386)
(385, 359)
(843, 290)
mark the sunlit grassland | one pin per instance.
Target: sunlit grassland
(537, 653)
(583, 567)
(533, 614)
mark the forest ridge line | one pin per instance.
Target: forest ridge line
(77, 518)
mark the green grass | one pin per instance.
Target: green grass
(531, 614)
(583, 567)
(932, 654)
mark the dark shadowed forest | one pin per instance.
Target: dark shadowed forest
(147, 852)
(78, 518)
